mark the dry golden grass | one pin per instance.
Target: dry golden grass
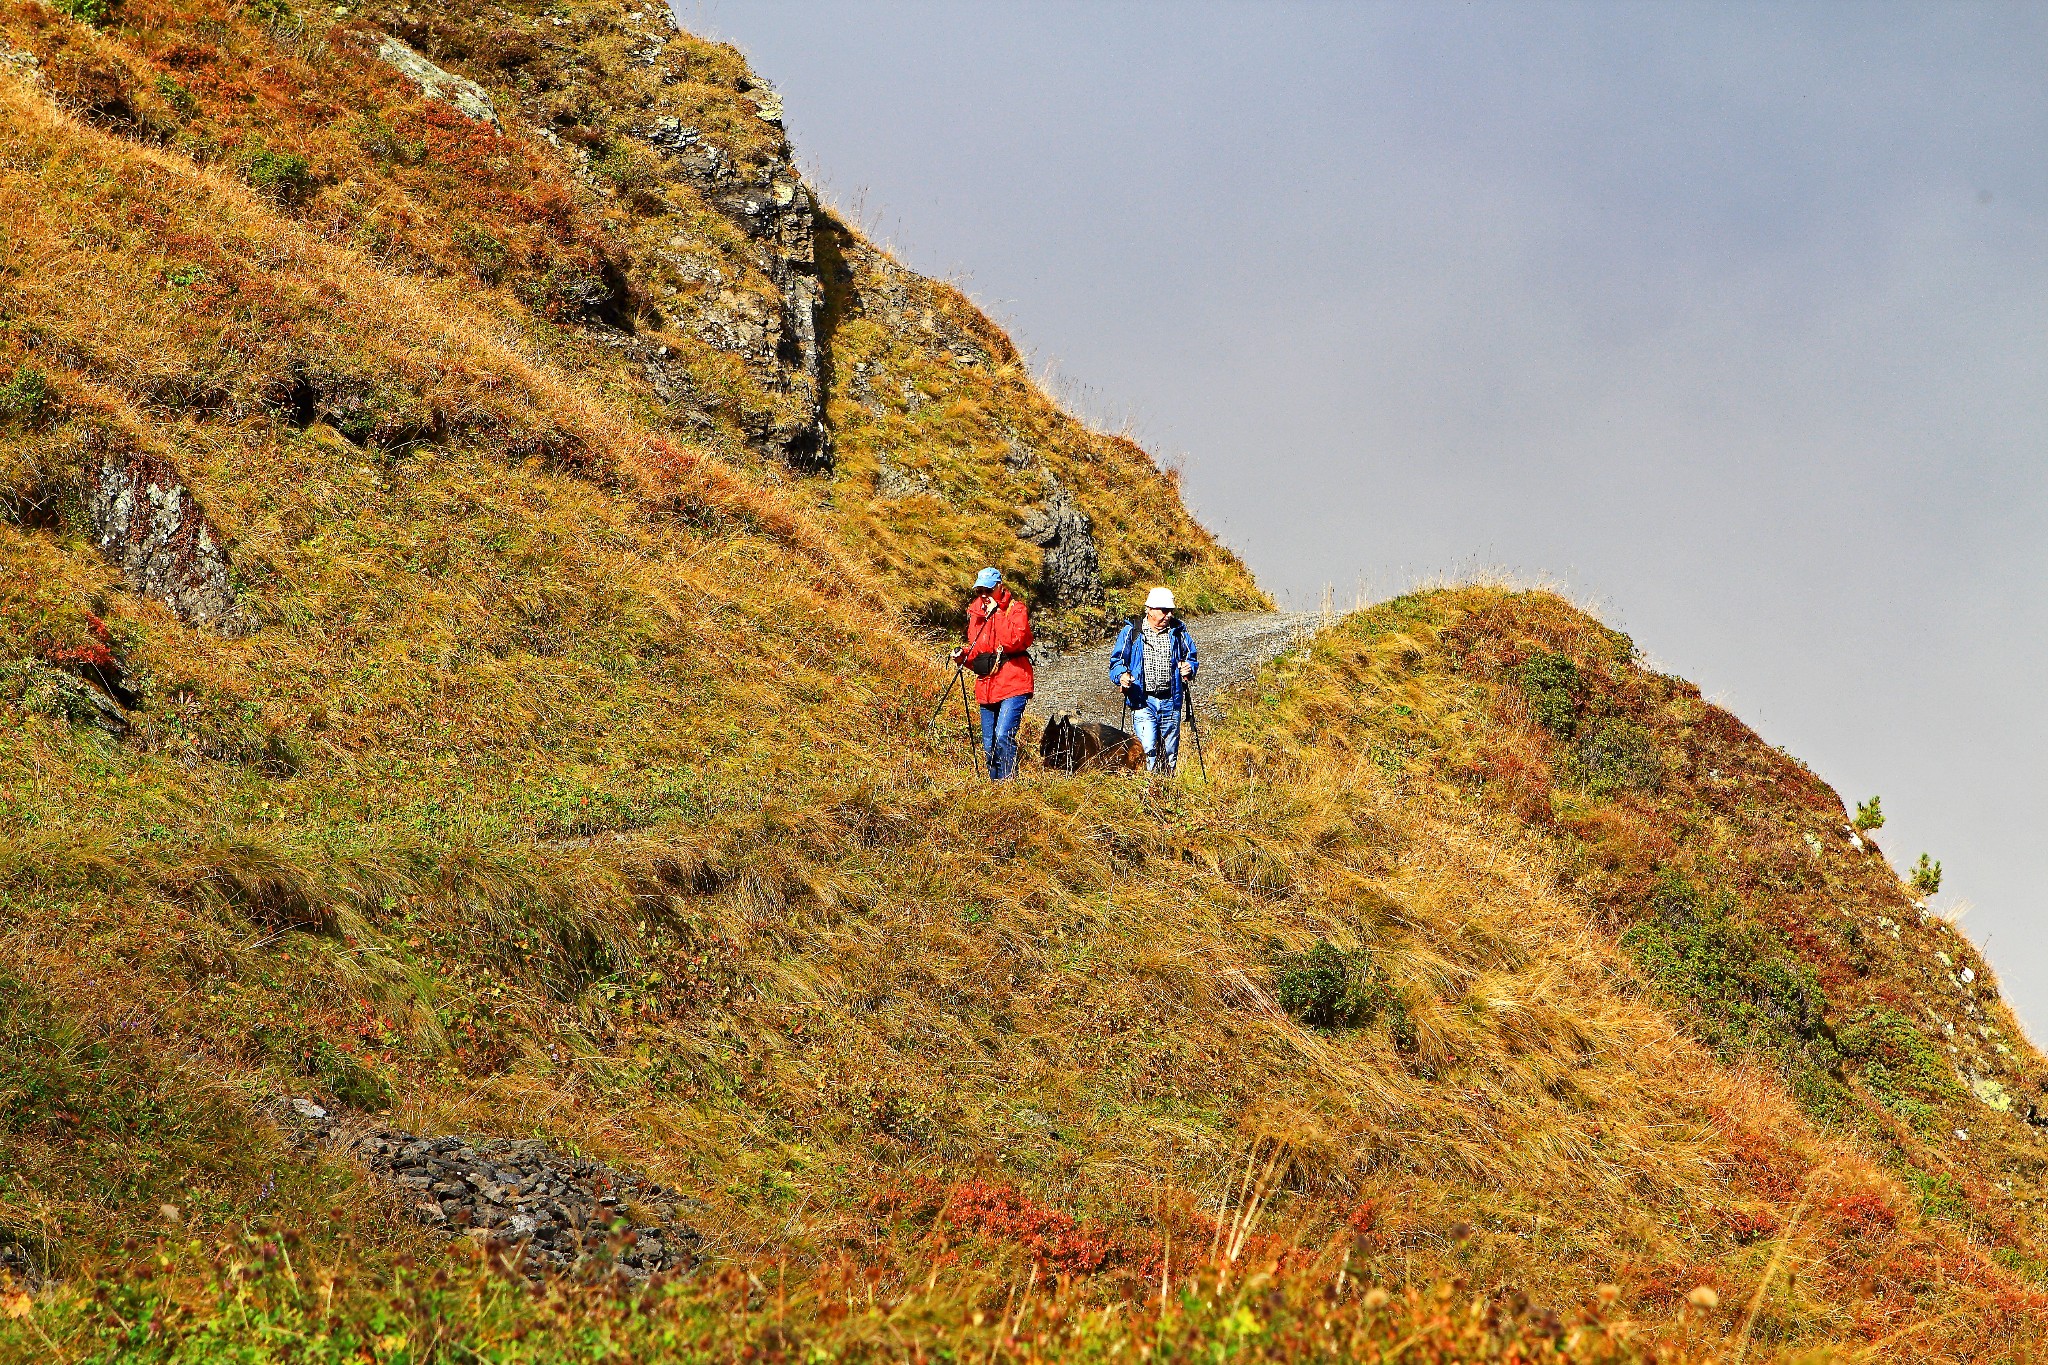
(574, 785)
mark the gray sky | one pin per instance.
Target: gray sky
(1732, 321)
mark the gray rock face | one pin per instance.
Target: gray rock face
(145, 520)
(778, 337)
(1073, 570)
(545, 1212)
(466, 95)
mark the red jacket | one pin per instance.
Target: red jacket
(999, 622)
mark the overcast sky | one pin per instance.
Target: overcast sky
(1731, 321)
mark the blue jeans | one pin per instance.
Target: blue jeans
(1156, 722)
(999, 734)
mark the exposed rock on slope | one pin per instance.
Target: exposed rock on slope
(146, 521)
(1073, 571)
(549, 1213)
(466, 95)
(751, 311)
(630, 103)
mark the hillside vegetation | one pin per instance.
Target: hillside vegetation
(471, 533)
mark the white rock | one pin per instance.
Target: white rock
(466, 95)
(1991, 1093)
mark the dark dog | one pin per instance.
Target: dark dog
(1071, 745)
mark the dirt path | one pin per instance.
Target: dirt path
(1232, 645)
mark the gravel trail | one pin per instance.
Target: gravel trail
(1232, 644)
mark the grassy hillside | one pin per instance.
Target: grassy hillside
(628, 215)
(479, 688)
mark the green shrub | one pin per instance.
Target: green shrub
(1926, 879)
(343, 1076)
(348, 1080)
(284, 176)
(1941, 1195)
(1401, 1025)
(23, 395)
(625, 168)
(1618, 756)
(270, 12)
(1328, 988)
(1869, 815)
(176, 96)
(485, 253)
(383, 143)
(1555, 690)
(1745, 990)
(94, 12)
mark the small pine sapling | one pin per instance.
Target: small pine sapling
(1926, 878)
(1869, 815)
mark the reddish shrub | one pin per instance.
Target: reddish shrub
(1861, 1214)
(1050, 1237)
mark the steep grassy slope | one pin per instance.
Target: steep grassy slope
(406, 703)
(632, 215)
(1731, 875)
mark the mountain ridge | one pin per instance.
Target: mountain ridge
(556, 769)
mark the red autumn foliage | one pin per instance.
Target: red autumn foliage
(1050, 1237)
(1003, 1213)
(94, 653)
(1761, 1165)
(1861, 1214)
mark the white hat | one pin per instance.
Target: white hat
(1160, 597)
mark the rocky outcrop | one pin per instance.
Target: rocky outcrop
(775, 331)
(466, 95)
(1073, 570)
(548, 1213)
(144, 519)
(666, 134)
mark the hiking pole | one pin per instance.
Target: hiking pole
(945, 695)
(981, 761)
(1130, 718)
(957, 682)
(1187, 708)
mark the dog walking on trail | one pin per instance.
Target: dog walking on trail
(1152, 663)
(998, 654)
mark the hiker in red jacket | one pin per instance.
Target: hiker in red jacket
(998, 653)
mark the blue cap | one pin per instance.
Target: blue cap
(989, 578)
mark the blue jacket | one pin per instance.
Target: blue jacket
(1127, 655)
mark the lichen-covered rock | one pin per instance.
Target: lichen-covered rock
(1989, 1092)
(144, 519)
(466, 95)
(776, 333)
(547, 1212)
(1073, 569)
(42, 689)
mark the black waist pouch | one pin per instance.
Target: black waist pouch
(981, 665)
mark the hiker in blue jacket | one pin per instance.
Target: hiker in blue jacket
(1152, 663)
